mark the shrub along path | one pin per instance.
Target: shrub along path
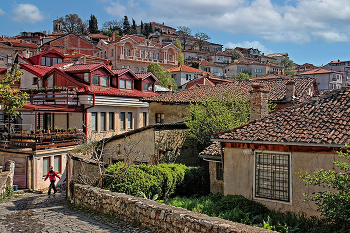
(39, 213)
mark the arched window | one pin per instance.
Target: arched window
(137, 70)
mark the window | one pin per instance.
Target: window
(103, 81)
(147, 55)
(157, 56)
(128, 84)
(272, 176)
(124, 52)
(2, 56)
(137, 53)
(150, 87)
(137, 70)
(186, 76)
(94, 121)
(141, 69)
(144, 118)
(112, 52)
(102, 121)
(35, 80)
(54, 61)
(46, 165)
(170, 57)
(87, 77)
(142, 54)
(95, 80)
(129, 52)
(152, 56)
(122, 83)
(122, 120)
(129, 120)
(48, 61)
(98, 54)
(111, 121)
(219, 171)
(57, 164)
(105, 54)
(159, 117)
(144, 86)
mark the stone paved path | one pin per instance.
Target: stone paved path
(40, 213)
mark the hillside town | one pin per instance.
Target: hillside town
(87, 101)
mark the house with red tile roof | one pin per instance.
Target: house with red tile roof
(69, 43)
(202, 81)
(260, 160)
(183, 74)
(253, 68)
(278, 56)
(220, 58)
(94, 99)
(326, 79)
(136, 53)
(173, 106)
(215, 69)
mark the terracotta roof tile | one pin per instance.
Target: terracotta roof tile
(318, 71)
(324, 120)
(276, 88)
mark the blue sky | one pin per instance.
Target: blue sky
(313, 31)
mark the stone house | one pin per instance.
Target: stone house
(95, 100)
(215, 69)
(260, 160)
(172, 107)
(278, 56)
(136, 53)
(183, 74)
(152, 144)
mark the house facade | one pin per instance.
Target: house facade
(137, 53)
(261, 160)
(69, 103)
(326, 79)
(215, 69)
(252, 68)
(183, 74)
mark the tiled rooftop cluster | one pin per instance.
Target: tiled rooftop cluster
(324, 120)
(276, 88)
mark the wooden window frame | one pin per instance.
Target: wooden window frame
(59, 165)
(48, 168)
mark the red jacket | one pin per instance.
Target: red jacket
(52, 175)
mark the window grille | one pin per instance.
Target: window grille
(272, 179)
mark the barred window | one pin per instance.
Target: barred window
(272, 176)
(219, 171)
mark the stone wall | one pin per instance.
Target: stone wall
(6, 177)
(153, 215)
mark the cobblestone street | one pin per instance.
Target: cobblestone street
(40, 213)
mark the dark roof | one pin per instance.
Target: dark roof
(276, 88)
(322, 121)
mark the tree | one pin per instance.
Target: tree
(147, 29)
(133, 28)
(333, 205)
(141, 27)
(201, 39)
(288, 66)
(162, 75)
(273, 62)
(12, 99)
(93, 25)
(235, 54)
(216, 114)
(113, 25)
(72, 24)
(185, 35)
(180, 57)
(126, 25)
(242, 76)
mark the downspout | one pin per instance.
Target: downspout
(85, 112)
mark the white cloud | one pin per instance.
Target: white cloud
(247, 44)
(300, 21)
(115, 9)
(27, 13)
(2, 12)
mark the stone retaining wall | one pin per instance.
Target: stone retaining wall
(153, 215)
(6, 177)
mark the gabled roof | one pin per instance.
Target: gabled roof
(78, 67)
(271, 77)
(186, 69)
(323, 121)
(318, 71)
(136, 39)
(47, 52)
(276, 88)
(219, 53)
(110, 91)
(143, 76)
(277, 54)
(39, 71)
(22, 43)
(206, 63)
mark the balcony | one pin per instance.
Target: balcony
(40, 140)
(53, 97)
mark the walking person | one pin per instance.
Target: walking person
(52, 176)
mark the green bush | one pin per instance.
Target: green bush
(164, 180)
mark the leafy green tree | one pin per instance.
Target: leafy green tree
(201, 39)
(334, 202)
(113, 25)
(216, 114)
(93, 25)
(126, 25)
(273, 62)
(12, 99)
(180, 57)
(288, 66)
(242, 75)
(235, 54)
(162, 75)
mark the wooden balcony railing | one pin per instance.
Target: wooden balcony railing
(38, 141)
(62, 97)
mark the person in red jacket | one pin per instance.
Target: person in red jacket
(52, 176)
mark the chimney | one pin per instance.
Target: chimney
(170, 87)
(258, 102)
(290, 90)
(113, 36)
(84, 59)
